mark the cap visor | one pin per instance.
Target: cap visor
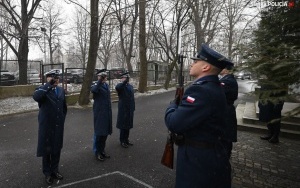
(196, 58)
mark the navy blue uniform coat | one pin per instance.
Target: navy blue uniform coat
(270, 109)
(230, 87)
(102, 109)
(200, 117)
(51, 118)
(126, 105)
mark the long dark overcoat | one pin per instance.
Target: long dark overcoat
(102, 109)
(126, 105)
(270, 106)
(230, 87)
(51, 118)
(200, 118)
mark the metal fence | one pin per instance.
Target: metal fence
(72, 78)
(10, 72)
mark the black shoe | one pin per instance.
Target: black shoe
(274, 140)
(266, 137)
(99, 157)
(105, 155)
(57, 175)
(49, 180)
(129, 143)
(124, 145)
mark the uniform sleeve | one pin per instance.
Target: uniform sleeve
(230, 88)
(96, 87)
(120, 86)
(194, 109)
(39, 94)
(65, 110)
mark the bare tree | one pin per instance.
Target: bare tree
(205, 18)
(127, 17)
(4, 25)
(233, 14)
(95, 35)
(21, 23)
(107, 43)
(82, 34)
(52, 21)
(165, 30)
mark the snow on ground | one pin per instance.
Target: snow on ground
(17, 104)
(24, 104)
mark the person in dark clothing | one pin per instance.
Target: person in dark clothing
(126, 107)
(230, 87)
(200, 120)
(52, 113)
(270, 105)
(102, 115)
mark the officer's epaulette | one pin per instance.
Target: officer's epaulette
(200, 82)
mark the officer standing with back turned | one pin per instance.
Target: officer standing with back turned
(200, 121)
(230, 87)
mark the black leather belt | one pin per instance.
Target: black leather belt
(200, 144)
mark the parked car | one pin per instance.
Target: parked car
(77, 75)
(243, 74)
(7, 78)
(115, 72)
(33, 76)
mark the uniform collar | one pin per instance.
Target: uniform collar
(213, 78)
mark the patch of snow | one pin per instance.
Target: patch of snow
(24, 104)
(17, 104)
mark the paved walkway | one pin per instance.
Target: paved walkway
(257, 163)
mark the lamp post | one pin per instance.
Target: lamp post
(44, 30)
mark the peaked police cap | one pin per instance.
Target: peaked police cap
(52, 73)
(212, 57)
(125, 75)
(102, 72)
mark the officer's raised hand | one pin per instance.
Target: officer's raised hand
(53, 80)
(126, 80)
(101, 79)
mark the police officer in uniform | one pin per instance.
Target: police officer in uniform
(199, 122)
(126, 107)
(52, 113)
(230, 87)
(102, 115)
(270, 106)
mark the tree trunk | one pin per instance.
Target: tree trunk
(142, 45)
(92, 57)
(23, 46)
(129, 56)
(129, 66)
(169, 73)
(22, 60)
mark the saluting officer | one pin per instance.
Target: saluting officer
(52, 113)
(102, 115)
(230, 87)
(200, 120)
(126, 107)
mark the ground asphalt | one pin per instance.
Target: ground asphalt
(255, 162)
